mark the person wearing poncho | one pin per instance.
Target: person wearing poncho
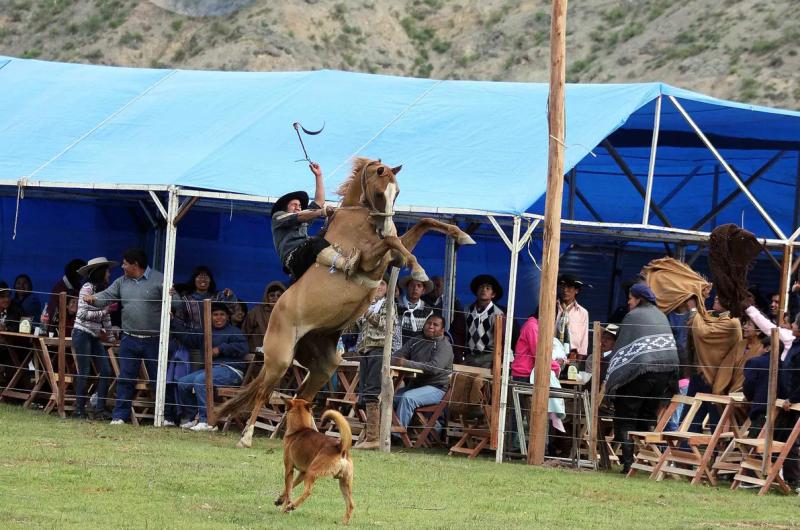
(643, 369)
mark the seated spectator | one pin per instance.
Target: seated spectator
(525, 351)
(643, 370)
(10, 311)
(26, 298)
(255, 324)
(412, 310)
(756, 383)
(478, 328)
(72, 313)
(431, 353)
(239, 314)
(92, 328)
(69, 282)
(228, 348)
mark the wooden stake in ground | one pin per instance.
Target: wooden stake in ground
(597, 358)
(772, 395)
(387, 388)
(497, 364)
(552, 232)
(208, 362)
(62, 350)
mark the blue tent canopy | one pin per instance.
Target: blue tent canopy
(464, 145)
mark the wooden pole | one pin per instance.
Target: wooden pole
(552, 232)
(597, 358)
(208, 361)
(62, 350)
(772, 395)
(786, 267)
(387, 388)
(497, 367)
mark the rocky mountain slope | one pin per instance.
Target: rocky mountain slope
(745, 50)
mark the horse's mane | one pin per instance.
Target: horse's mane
(358, 166)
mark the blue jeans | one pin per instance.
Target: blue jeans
(87, 347)
(132, 351)
(406, 401)
(195, 382)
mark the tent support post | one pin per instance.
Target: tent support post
(786, 275)
(157, 201)
(573, 182)
(166, 300)
(735, 193)
(509, 323)
(626, 170)
(449, 281)
(651, 168)
(715, 196)
(680, 186)
(734, 176)
(796, 213)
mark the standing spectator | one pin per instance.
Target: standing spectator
(774, 305)
(10, 311)
(228, 348)
(431, 353)
(412, 310)
(643, 369)
(26, 298)
(255, 324)
(140, 291)
(92, 328)
(789, 389)
(480, 321)
(370, 350)
(756, 377)
(70, 281)
(572, 319)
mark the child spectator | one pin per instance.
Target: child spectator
(69, 282)
(239, 314)
(10, 311)
(255, 324)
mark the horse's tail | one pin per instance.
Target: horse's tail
(345, 433)
(255, 390)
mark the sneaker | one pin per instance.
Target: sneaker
(188, 424)
(118, 421)
(203, 427)
(169, 423)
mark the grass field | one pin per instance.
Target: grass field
(66, 474)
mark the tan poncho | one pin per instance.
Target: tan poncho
(717, 340)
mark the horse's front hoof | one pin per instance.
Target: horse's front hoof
(420, 276)
(465, 239)
(244, 444)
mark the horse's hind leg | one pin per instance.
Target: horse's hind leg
(278, 349)
(317, 352)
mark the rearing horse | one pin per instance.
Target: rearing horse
(309, 317)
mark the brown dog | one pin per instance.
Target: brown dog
(315, 455)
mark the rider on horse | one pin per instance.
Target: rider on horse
(291, 216)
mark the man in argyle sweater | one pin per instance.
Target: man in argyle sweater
(480, 321)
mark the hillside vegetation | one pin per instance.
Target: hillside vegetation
(745, 50)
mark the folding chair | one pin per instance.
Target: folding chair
(428, 417)
(753, 450)
(475, 429)
(225, 393)
(648, 444)
(690, 454)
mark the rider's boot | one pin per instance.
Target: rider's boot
(333, 259)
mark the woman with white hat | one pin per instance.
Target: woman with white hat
(92, 326)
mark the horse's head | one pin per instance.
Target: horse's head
(373, 185)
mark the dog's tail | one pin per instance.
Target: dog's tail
(344, 428)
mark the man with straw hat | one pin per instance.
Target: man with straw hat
(411, 309)
(291, 216)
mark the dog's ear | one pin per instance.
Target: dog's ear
(396, 170)
(309, 406)
(287, 401)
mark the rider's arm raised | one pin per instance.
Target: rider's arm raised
(319, 190)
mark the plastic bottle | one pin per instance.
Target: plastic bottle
(340, 347)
